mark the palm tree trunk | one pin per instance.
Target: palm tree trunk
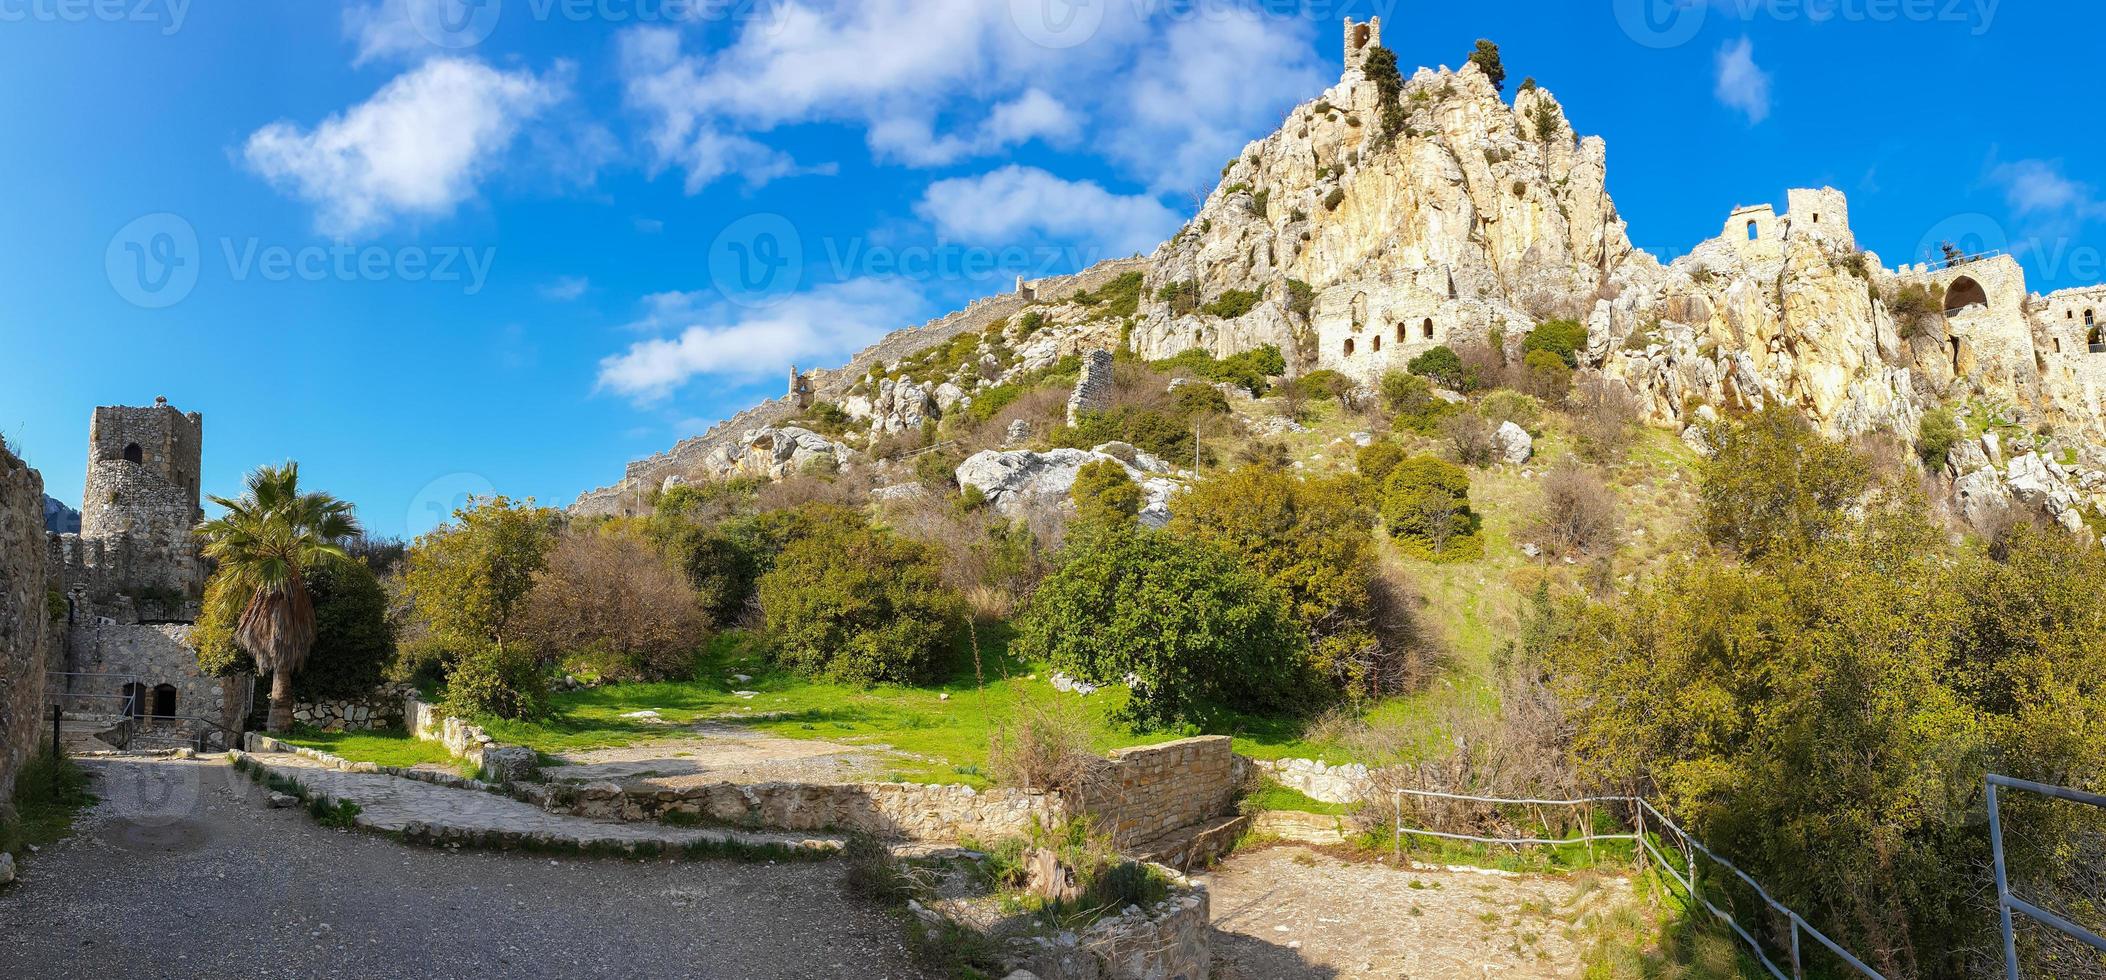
(280, 720)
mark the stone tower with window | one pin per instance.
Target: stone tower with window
(141, 501)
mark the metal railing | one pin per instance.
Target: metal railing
(2008, 903)
(1688, 878)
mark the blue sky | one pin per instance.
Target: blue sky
(436, 247)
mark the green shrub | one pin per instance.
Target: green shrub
(1334, 199)
(1103, 492)
(1411, 401)
(1549, 377)
(1231, 304)
(507, 682)
(859, 604)
(1565, 338)
(1249, 370)
(1301, 298)
(1377, 460)
(1445, 367)
(1326, 383)
(1182, 297)
(1505, 405)
(1773, 484)
(1486, 57)
(1190, 623)
(353, 642)
(1936, 434)
(1118, 298)
(1426, 506)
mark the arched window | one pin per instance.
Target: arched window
(1349, 347)
(1400, 333)
(1378, 343)
(1426, 329)
(164, 701)
(1752, 233)
(2087, 318)
(133, 453)
(2058, 345)
(1817, 217)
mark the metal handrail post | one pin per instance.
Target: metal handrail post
(2003, 884)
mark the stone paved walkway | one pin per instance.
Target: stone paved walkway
(429, 811)
(717, 753)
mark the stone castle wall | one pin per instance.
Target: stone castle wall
(1093, 390)
(25, 632)
(141, 499)
(149, 655)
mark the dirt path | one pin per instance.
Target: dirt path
(1291, 912)
(182, 871)
(716, 753)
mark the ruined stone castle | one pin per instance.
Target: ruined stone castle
(1388, 217)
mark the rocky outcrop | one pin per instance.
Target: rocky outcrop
(1017, 482)
(59, 518)
(25, 633)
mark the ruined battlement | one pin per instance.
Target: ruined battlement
(140, 503)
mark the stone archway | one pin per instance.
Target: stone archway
(133, 454)
(1964, 293)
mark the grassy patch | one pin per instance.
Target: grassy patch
(49, 790)
(1271, 795)
(386, 747)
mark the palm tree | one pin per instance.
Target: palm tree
(264, 544)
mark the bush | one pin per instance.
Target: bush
(1334, 199)
(1312, 541)
(1104, 493)
(1936, 434)
(1231, 304)
(1043, 747)
(1486, 57)
(1579, 511)
(1377, 460)
(1182, 297)
(1505, 405)
(1603, 414)
(1774, 484)
(1326, 383)
(1301, 298)
(507, 682)
(1565, 338)
(1547, 375)
(1411, 400)
(1426, 506)
(859, 604)
(1445, 369)
(1470, 437)
(609, 601)
(1248, 370)
(353, 642)
(1191, 624)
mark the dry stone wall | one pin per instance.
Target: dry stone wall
(24, 616)
(1153, 790)
(1170, 940)
(498, 763)
(912, 811)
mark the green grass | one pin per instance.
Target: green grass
(1271, 795)
(387, 747)
(948, 739)
(49, 791)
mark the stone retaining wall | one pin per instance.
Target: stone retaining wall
(1171, 940)
(499, 763)
(25, 617)
(1331, 784)
(912, 811)
(383, 709)
(255, 743)
(1153, 790)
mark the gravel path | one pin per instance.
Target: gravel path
(718, 753)
(1290, 913)
(182, 871)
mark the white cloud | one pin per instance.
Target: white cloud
(935, 83)
(1006, 204)
(419, 146)
(2039, 187)
(382, 29)
(712, 338)
(1209, 86)
(1742, 84)
(563, 289)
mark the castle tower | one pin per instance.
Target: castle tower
(1359, 38)
(141, 501)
